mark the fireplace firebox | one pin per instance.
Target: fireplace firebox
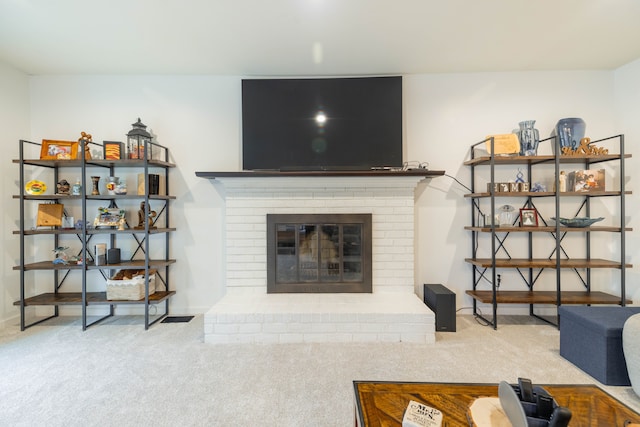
(319, 253)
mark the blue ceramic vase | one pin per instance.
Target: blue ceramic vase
(570, 131)
(529, 138)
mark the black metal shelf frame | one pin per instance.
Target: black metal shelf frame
(85, 235)
(529, 276)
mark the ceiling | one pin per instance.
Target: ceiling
(316, 37)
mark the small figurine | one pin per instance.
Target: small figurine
(61, 255)
(141, 216)
(563, 181)
(538, 187)
(62, 187)
(85, 139)
(80, 224)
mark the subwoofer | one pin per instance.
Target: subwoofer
(442, 302)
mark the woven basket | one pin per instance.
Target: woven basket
(129, 285)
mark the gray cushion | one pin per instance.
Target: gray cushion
(631, 346)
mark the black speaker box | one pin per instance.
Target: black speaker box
(113, 256)
(442, 302)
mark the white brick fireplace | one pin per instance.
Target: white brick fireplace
(392, 312)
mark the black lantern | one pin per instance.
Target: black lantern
(137, 139)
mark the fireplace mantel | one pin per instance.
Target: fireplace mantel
(426, 173)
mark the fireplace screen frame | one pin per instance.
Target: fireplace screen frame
(363, 285)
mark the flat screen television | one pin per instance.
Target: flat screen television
(322, 123)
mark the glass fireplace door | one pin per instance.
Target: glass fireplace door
(319, 256)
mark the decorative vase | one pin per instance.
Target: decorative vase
(121, 187)
(569, 132)
(529, 138)
(95, 180)
(112, 184)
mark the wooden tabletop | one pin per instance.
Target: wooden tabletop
(382, 404)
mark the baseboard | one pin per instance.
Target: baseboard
(11, 321)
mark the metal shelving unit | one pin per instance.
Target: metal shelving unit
(140, 258)
(531, 266)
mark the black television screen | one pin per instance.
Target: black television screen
(318, 124)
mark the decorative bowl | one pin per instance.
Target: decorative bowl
(577, 222)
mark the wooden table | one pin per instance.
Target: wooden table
(383, 403)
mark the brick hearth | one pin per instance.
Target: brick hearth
(287, 318)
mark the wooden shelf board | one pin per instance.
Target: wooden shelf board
(486, 194)
(546, 263)
(135, 264)
(511, 194)
(92, 197)
(93, 231)
(545, 297)
(128, 230)
(515, 160)
(96, 162)
(547, 229)
(128, 265)
(129, 196)
(75, 298)
(46, 196)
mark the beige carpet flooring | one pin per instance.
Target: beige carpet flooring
(118, 374)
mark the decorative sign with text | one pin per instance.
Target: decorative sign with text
(421, 415)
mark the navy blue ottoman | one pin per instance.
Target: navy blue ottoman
(591, 339)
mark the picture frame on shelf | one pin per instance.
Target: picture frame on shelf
(113, 150)
(585, 181)
(109, 217)
(58, 150)
(528, 217)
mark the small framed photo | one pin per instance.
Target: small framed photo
(112, 150)
(586, 180)
(528, 217)
(109, 217)
(58, 150)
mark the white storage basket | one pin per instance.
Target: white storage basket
(129, 285)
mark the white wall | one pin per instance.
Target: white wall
(14, 123)
(198, 118)
(445, 114)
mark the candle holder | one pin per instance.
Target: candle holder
(138, 141)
